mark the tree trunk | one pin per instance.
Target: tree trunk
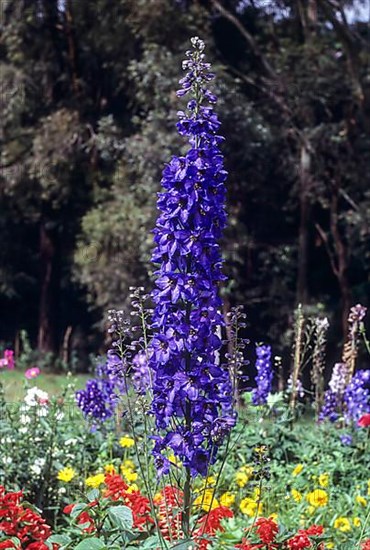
(49, 285)
(342, 258)
(305, 207)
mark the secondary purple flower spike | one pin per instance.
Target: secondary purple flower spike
(192, 397)
(264, 375)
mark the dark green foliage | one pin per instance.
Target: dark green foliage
(88, 114)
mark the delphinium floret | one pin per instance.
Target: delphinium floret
(357, 396)
(192, 397)
(99, 400)
(264, 375)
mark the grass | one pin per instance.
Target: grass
(15, 384)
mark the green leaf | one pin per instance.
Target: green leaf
(77, 509)
(184, 545)
(90, 544)
(93, 495)
(121, 517)
(63, 540)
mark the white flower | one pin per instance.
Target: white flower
(36, 397)
(24, 419)
(7, 460)
(71, 441)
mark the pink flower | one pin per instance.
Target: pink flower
(364, 421)
(8, 359)
(31, 373)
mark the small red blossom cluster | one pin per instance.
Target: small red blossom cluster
(365, 545)
(168, 503)
(267, 530)
(117, 489)
(364, 421)
(19, 521)
(208, 525)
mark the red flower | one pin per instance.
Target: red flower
(68, 509)
(313, 531)
(267, 529)
(365, 545)
(364, 421)
(7, 544)
(210, 523)
(169, 502)
(299, 541)
(19, 521)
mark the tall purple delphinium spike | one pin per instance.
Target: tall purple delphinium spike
(192, 397)
(333, 397)
(264, 375)
(357, 396)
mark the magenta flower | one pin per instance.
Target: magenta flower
(31, 373)
(8, 359)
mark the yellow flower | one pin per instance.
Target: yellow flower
(206, 500)
(342, 524)
(368, 487)
(250, 507)
(329, 545)
(227, 499)
(128, 474)
(243, 475)
(273, 516)
(129, 464)
(324, 480)
(109, 469)
(297, 496)
(317, 498)
(132, 488)
(361, 500)
(66, 474)
(256, 493)
(356, 522)
(126, 442)
(95, 481)
(297, 470)
(174, 460)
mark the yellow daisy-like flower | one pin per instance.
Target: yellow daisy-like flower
(109, 469)
(227, 499)
(273, 516)
(361, 500)
(95, 481)
(243, 475)
(126, 442)
(324, 480)
(297, 470)
(66, 474)
(250, 507)
(342, 524)
(128, 474)
(317, 498)
(132, 488)
(206, 501)
(356, 522)
(297, 496)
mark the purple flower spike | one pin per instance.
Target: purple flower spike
(192, 396)
(264, 375)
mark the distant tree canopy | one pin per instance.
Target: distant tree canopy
(88, 116)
